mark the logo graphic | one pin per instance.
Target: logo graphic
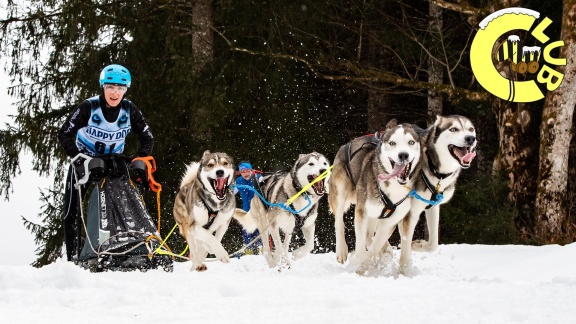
(526, 62)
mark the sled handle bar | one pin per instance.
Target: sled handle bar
(151, 168)
(87, 159)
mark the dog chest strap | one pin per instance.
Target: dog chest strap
(389, 206)
(211, 215)
(299, 221)
(433, 190)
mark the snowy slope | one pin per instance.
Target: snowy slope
(456, 284)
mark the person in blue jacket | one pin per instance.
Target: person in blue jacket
(246, 178)
(99, 126)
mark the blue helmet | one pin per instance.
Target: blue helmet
(115, 74)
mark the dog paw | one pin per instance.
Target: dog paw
(357, 258)
(200, 268)
(286, 263)
(342, 255)
(423, 246)
(224, 258)
(301, 252)
(272, 260)
(405, 269)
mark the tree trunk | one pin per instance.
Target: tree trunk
(377, 104)
(202, 54)
(572, 189)
(555, 137)
(435, 69)
(202, 34)
(516, 157)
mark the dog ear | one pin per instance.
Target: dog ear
(205, 153)
(391, 124)
(438, 117)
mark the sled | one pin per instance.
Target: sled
(116, 233)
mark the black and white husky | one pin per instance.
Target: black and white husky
(279, 188)
(376, 174)
(204, 207)
(448, 146)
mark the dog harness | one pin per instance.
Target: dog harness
(349, 155)
(300, 220)
(211, 215)
(389, 206)
(434, 190)
(275, 177)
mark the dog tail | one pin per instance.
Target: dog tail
(190, 174)
(245, 219)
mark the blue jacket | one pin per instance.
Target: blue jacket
(245, 193)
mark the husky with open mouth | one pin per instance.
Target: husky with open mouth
(376, 174)
(279, 188)
(448, 147)
(204, 207)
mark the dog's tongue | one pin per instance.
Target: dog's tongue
(464, 155)
(469, 157)
(398, 168)
(220, 183)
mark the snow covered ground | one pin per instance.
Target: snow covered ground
(456, 284)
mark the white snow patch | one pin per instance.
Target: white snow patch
(456, 284)
(530, 49)
(513, 10)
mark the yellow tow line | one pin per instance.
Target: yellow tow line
(306, 187)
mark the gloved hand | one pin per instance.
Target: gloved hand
(78, 164)
(138, 171)
(79, 161)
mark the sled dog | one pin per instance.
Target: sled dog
(448, 146)
(375, 173)
(204, 206)
(279, 188)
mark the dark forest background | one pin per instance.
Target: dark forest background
(265, 81)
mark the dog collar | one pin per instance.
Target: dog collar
(434, 169)
(296, 183)
(434, 190)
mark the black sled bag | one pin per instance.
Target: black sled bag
(117, 220)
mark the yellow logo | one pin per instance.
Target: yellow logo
(520, 59)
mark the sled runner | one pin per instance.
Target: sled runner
(116, 232)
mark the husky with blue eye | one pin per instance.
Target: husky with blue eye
(448, 147)
(375, 173)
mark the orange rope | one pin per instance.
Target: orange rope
(158, 204)
(150, 255)
(155, 186)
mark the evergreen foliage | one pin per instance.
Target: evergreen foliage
(484, 215)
